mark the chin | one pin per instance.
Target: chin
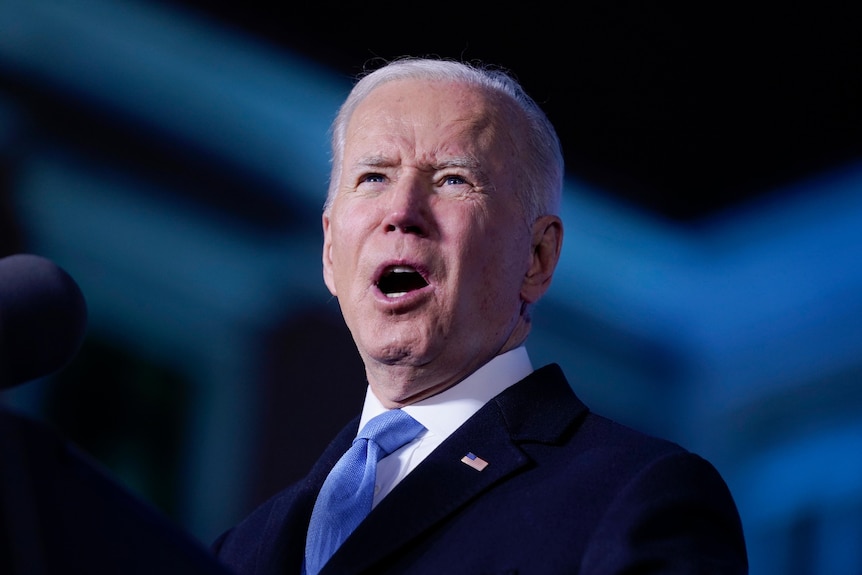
(404, 357)
(392, 346)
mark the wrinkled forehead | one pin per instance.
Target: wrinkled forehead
(433, 115)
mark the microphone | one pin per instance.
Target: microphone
(59, 511)
(43, 317)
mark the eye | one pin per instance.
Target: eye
(454, 181)
(372, 178)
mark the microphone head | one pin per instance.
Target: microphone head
(43, 318)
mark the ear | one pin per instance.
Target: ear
(544, 254)
(328, 277)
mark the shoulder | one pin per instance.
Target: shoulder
(544, 407)
(642, 496)
(673, 510)
(561, 434)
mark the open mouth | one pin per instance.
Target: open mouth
(397, 281)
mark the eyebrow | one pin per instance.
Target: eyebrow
(469, 163)
(460, 162)
(457, 162)
(374, 161)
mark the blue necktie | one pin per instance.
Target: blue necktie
(346, 496)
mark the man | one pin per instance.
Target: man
(440, 233)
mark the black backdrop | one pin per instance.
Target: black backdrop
(683, 110)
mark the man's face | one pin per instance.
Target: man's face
(426, 245)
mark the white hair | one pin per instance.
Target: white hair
(540, 149)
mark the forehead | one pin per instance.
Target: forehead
(431, 116)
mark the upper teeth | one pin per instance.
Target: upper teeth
(394, 287)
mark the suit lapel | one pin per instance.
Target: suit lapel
(442, 483)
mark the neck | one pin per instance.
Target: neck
(399, 385)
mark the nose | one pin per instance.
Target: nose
(408, 209)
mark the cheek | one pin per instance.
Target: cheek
(486, 266)
(340, 256)
(343, 259)
(350, 245)
(506, 261)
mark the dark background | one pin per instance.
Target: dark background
(682, 109)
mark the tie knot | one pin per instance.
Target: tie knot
(391, 430)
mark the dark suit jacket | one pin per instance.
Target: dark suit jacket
(566, 491)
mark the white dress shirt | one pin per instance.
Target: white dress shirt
(443, 413)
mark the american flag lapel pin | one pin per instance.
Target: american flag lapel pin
(474, 461)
